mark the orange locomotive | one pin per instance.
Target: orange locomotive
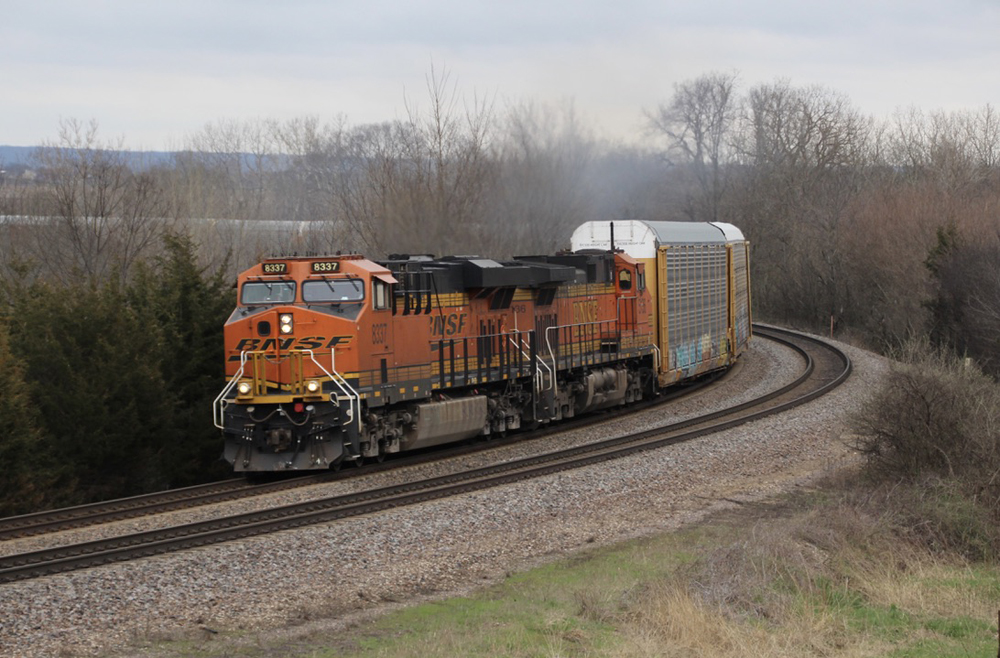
(341, 358)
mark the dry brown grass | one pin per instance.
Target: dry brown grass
(837, 580)
(675, 623)
(914, 583)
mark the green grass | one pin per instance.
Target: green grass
(473, 626)
(933, 648)
(566, 608)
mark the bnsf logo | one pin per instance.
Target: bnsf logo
(448, 325)
(585, 311)
(286, 344)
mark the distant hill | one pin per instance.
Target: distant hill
(13, 156)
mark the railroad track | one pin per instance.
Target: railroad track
(81, 516)
(70, 518)
(825, 367)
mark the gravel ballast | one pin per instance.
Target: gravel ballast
(328, 574)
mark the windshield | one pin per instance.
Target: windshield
(333, 290)
(268, 292)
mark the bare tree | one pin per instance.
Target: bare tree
(804, 156)
(982, 130)
(15, 206)
(545, 158)
(698, 122)
(238, 157)
(957, 152)
(419, 184)
(805, 128)
(311, 156)
(101, 210)
(447, 170)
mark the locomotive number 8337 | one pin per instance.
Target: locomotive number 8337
(339, 359)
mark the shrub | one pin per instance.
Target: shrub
(936, 423)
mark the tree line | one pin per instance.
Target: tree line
(116, 273)
(107, 386)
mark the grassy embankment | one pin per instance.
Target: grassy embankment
(821, 574)
(839, 571)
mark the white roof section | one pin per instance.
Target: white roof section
(732, 233)
(641, 239)
(636, 238)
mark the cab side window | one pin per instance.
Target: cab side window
(625, 280)
(380, 295)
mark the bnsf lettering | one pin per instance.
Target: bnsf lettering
(448, 325)
(585, 311)
(287, 344)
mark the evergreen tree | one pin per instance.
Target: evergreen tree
(91, 364)
(948, 302)
(106, 391)
(30, 475)
(189, 305)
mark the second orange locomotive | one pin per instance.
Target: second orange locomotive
(341, 358)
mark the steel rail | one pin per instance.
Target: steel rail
(68, 518)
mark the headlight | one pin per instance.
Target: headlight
(313, 386)
(286, 323)
(244, 388)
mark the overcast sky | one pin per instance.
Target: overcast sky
(155, 72)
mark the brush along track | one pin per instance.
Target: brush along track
(826, 367)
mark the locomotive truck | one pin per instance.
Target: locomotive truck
(341, 359)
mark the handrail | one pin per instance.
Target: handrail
(345, 388)
(217, 405)
(539, 375)
(618, 306)
(342, 384)
(548, 342)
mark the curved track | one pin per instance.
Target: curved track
(825, 367)
(69, 518)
